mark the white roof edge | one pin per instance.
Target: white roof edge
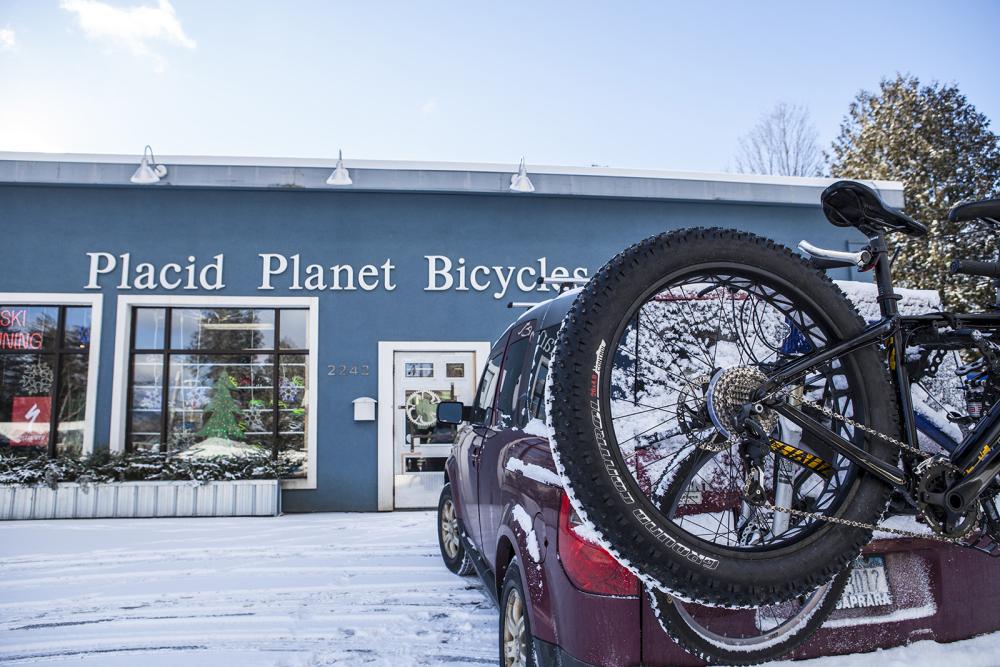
(403, 165)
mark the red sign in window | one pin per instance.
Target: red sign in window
(17, 340)
(30, 415)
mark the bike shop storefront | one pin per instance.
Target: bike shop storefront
(246, 305)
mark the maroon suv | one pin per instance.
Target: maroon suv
(564, 600)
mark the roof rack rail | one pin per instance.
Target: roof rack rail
(564, 283)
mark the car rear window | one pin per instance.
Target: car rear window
(510, 384)
(487, 390)
(544, 347)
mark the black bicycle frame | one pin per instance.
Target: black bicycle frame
(978, 455)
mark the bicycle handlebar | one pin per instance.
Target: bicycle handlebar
(971, 267)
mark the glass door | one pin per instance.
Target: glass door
(421, 446)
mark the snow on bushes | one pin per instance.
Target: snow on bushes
(102, 467)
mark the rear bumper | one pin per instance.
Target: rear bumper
(939, 592)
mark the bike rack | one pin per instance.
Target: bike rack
(563, 283)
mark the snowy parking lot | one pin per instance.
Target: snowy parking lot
(317, 589)
(300, 590)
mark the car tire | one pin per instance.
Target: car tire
(453, 551)
(517, 647)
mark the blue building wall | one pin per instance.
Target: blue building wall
(49, 229)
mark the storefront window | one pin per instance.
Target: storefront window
(44, 357)
(228, 381)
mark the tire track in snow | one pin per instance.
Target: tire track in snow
(295, 591)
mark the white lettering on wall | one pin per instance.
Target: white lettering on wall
(433, 273)
(289, 272)
(444, 274)
(146, 276)
(269, 268)
(98, 268)
(276, 269)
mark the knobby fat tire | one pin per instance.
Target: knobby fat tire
(696, 643)
(685, 629)
(601, 486)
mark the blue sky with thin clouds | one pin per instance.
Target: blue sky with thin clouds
(645, 85)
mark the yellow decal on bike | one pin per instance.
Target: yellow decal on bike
(982, 454)
(892, 354)
(803, 458)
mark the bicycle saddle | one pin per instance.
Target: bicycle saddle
(988, 208)
(853, 204)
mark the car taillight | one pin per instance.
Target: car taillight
(588, 565)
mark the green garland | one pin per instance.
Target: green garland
(101, 467)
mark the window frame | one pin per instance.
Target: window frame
(484, 413)
(518, 375)
(276, 352)
(62, 300)
(123, 336)
(539, 359)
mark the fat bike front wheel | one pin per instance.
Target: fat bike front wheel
(654, 366)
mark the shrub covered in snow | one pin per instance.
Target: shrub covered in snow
(101, 467)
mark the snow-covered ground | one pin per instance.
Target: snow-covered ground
(981, 651)
(301, 590)
(295, 591)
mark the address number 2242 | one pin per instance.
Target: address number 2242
(348, 369)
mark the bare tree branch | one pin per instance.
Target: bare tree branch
(782, 143)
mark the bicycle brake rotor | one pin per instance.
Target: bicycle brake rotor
(730, 390)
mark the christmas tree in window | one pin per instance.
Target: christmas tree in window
(224, 411)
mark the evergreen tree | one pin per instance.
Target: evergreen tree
(934, 141)
(224, 411)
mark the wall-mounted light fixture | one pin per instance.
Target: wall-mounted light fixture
(340, 175)
(148, 172)
(520, 182)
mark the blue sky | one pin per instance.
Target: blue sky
(645, 85)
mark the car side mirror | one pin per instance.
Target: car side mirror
(451, 412)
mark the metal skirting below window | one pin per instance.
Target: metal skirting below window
(141, 500)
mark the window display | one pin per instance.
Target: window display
(229, 381)
(44, 358)
(420, 370)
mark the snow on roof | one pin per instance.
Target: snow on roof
(402, 176)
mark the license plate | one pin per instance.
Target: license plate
(868, 585)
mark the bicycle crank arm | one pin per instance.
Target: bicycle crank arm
(881, 469)
(978, 457)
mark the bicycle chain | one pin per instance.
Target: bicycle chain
(859, 524)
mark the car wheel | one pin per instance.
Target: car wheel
(453, 552)
(516, 645)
